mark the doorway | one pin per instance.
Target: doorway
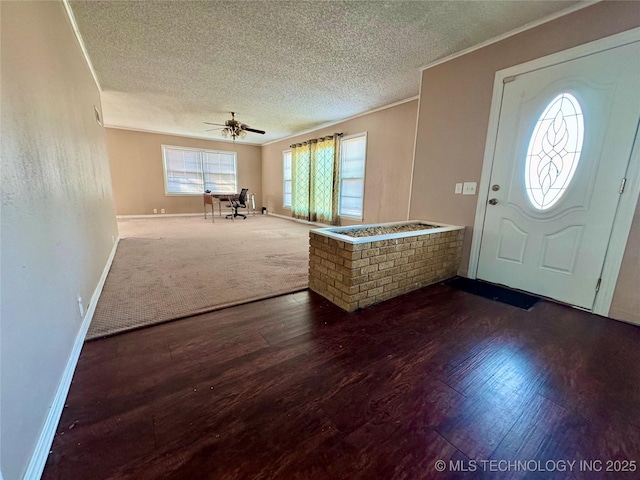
(558, 163)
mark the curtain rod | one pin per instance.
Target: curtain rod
(315, 140)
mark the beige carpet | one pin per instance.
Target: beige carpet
(169, 268)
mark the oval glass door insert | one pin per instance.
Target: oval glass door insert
(554, 151)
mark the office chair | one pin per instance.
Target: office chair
(241, 202)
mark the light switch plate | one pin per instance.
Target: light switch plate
(469, 188)
(458, 188)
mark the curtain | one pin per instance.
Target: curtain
(315, 171)
(300, 180)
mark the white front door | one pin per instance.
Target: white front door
(564, 141)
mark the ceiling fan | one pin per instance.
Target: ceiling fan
(234, 129)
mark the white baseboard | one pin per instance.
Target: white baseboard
(298, 220)
(43, 447)
(156, 215)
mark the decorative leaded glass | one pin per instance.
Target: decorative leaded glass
(554, 151)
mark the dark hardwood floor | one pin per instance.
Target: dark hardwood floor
(294, 388)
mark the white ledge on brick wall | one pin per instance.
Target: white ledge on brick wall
(355, 272)
(334, 232)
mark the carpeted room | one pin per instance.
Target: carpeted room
(290, 386)
(175, 267)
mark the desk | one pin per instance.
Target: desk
(219, 198)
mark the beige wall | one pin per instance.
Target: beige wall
(58, 216)
(138, 177)
(454, 112)
(626, 299)
(390, 139)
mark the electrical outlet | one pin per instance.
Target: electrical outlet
(80, 306)
(113, 239)
(469, 188)
(155, 210)
(458, 188)
(162, 210)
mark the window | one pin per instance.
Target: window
(286, 160)
(353, 150)
(554, 151)
(188, 171)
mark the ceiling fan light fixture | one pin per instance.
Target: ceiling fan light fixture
(234, 129)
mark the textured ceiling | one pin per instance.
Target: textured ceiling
(285, 67)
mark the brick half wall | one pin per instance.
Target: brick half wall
(356, 275)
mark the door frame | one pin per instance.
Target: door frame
(628, 200)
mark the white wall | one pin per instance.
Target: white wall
(57, 217)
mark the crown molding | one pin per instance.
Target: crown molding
(195, 137)
(76, 31)
(524, 28)
(325, 125)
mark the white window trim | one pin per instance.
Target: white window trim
(364, 176)
(284, 205)
(200, 151)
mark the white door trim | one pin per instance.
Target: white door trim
(619, 233)
(628, 201)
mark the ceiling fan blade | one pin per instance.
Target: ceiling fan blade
(249, 129)
(219, 124)
(213, 129)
